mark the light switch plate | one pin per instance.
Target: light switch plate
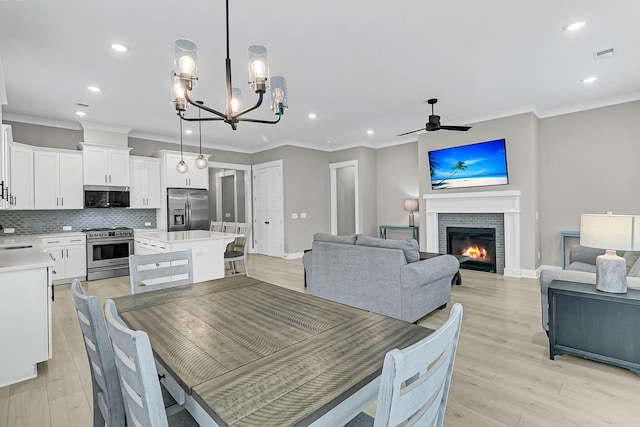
(303, 215)
(9, 230)
(66, 228)
(147, 224)
(294, 216)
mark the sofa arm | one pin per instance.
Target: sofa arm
(429, 270)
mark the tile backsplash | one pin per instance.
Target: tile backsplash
(52, 221)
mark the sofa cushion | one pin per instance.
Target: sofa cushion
(635, 269)
(409, 246)
(582, 266)
(329, 238)
(631, 257)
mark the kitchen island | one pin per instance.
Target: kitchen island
(207, 249)
(25, 308)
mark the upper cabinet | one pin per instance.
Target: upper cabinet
(5, 140)
(193, 178)
(105, 165)
(145, 183)
(21, 190)
(58, 183)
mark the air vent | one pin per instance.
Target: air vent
(605, 53)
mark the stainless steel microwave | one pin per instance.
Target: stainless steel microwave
(106, 197)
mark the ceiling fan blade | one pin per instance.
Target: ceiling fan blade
(462, 128)
(413, 131)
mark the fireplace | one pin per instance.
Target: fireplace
(479, 244)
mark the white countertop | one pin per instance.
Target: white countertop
(26, 258)
(187, 236)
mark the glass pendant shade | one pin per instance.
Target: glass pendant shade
(278, 92)
(258, 68)
(236, 100)
(182, 167)
(185, 61)
(177, 93)
(201, 162)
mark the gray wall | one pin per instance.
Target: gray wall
(306, 189)
(397, 179)
(588, 164)
(521, 134)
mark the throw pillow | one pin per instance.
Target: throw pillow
(409, 246)
(631, 257)
(329, 238)
(635, 269)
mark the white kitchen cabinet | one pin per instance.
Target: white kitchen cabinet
(21, 180)
(193, 178)
(69, 255)
(105, 165)
(5, 140)
(145, 191)
(58, 179)
(25, 321)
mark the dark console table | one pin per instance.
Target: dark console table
(415, 231)
(595, 325)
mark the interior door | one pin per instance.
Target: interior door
(268, 206)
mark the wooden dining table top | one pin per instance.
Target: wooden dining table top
(256, 354)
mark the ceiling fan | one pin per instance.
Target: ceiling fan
(434, 123)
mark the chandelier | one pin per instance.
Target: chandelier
(184, 79)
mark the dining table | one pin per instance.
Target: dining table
(250, 353)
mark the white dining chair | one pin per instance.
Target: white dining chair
(160, 270)
(415, 381)
(215, 226)
(138, 375)
(239, 248)
(229, 227)
(108, 407)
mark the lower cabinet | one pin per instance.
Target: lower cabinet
(69, 256)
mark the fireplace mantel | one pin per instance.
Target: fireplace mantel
(504, 202)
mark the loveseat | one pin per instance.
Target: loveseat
(378, 275)
(582, 268)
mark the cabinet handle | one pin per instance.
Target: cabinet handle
(62, 199)
(56, 201)
(109, 179)
(105, 179)
(67, 253)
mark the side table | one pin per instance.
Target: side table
(414, 230)
(595, 325)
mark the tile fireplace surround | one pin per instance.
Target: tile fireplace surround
(504, 202)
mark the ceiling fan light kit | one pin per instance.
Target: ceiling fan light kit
(434, 123)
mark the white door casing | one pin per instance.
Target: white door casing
(268, 208)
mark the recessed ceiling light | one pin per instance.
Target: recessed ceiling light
(574, 26)
(369, 132)
(312, 116)
(589, 80)
(81, 113)
(94, 89)
(119, 47)
(188, 131)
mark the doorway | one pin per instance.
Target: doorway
(345, 205)
(268, 209)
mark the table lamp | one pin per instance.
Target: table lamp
(411, 205)
(610, 232)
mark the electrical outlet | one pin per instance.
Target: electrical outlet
(303, 215)
(294, 216)
(227, 215)
(66, 228)
(9, 230)
(147, 224)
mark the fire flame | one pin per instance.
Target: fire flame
(475, 252)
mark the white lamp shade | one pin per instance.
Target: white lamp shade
(410, 204)
(607, 231)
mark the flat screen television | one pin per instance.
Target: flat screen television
(473, 165)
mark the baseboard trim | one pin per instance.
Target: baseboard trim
(522, 273)
(294, 255)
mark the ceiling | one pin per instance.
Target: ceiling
(357, 65)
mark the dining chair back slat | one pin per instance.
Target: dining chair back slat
(160, 271)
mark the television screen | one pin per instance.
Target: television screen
(472, 165)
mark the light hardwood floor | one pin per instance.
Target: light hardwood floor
(502, 376)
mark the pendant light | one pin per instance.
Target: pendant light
(201, 161)
(182, 166)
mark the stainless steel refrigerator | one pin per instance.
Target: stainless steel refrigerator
(187, 209)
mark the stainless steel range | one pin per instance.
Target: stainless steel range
(108, 251)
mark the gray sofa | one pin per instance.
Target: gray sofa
(378, 275)
(582, 268)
